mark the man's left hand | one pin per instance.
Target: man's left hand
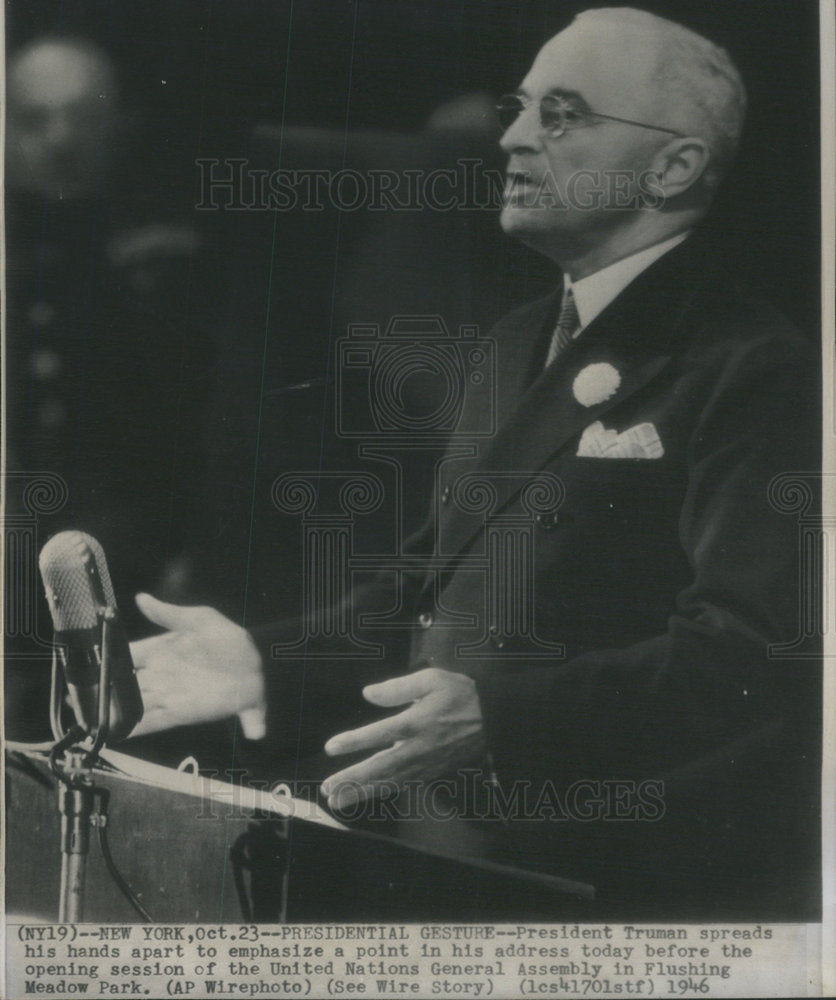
(441, 730)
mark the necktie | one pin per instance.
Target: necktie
(568, 323)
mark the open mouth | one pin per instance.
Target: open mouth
(522, 187)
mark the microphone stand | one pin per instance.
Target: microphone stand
(76, 802)
(76, 792)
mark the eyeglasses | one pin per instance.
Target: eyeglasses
(557, 115)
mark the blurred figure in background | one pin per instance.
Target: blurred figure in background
(107, 372)
(63, 118)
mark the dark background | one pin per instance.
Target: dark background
(385, 64)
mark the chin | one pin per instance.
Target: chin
(520, 222)
(530, 227)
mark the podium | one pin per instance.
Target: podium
(193, 859)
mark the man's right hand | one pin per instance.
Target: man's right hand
(203, 669)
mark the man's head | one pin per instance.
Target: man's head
(570, 192)
(61, 117)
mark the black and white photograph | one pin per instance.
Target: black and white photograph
(418, 498)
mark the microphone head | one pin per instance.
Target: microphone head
(76, 580)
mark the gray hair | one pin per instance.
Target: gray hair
(701, 86)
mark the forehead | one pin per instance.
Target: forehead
(610, 69)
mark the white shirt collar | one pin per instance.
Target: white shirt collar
(595, 292)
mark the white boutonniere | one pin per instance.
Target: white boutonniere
(596, 384)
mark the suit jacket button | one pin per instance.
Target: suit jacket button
(445, 495)
(425, 619)
(547, 521)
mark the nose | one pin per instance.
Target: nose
(524, 133)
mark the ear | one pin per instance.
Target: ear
(679, 165)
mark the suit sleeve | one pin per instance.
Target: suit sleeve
(311, 697)
(709, 681)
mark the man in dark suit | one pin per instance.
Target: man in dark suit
(608, 583)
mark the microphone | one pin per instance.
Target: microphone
(89, 640)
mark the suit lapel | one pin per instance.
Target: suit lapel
(517, 340)
(518, 351)
(637, 334)
(549, 416)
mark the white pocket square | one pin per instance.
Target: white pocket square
(640, 441)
